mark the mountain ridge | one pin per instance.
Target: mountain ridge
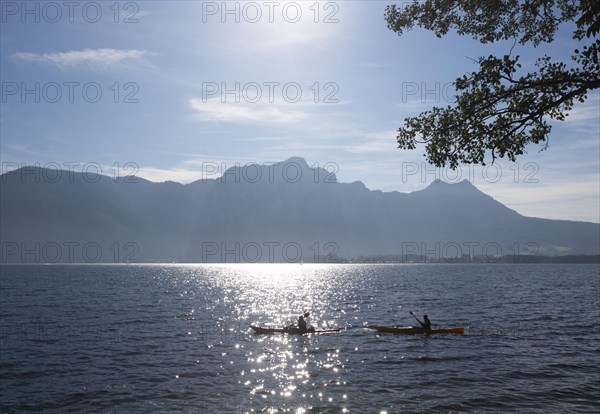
(242, 217)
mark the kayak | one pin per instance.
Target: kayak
(412, 330)
(290, 330)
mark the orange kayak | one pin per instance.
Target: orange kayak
(412, 330)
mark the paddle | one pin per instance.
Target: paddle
(415, 316)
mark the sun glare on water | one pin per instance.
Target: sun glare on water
(275, 294)
(278, 275)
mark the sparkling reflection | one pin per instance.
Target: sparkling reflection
(286, 373)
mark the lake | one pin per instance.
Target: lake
(164, 338)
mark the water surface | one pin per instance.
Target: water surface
(162, 338)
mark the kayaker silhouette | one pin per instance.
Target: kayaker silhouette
(302, 324)
(426, 324)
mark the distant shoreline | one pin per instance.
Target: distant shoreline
(520, 259)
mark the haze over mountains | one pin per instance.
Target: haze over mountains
(285, 212)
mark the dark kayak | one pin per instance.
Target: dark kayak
(412, 330)
(290, 330)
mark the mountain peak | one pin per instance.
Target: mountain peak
(293, 170)
(442, 187)
(464, 182)
(296, 160)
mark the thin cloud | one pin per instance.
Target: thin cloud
(99, 59)
(588, 112)
(374, 142)
(217, 111)
(178, 175)
(556, 200)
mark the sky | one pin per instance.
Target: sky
(184, 90)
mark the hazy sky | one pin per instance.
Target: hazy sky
(151, 87)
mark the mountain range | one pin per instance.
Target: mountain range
(285, 212)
